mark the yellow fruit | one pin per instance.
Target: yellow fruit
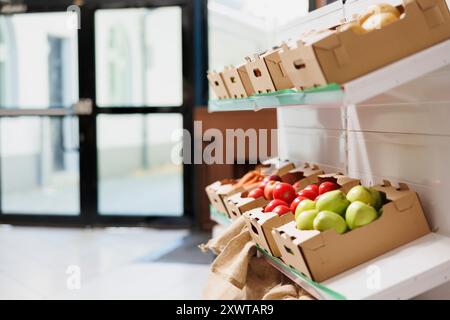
(351, 26)
(378, 21)
(377, 9)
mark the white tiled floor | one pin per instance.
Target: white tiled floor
(34, 261)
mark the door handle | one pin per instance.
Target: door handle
(81, 108)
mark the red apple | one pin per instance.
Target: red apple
(268, 189)
(281, 210)
(256, 193)
(272, 177)
(273, 204)
(295, 203)
(327, 186)
(285, 192)
(309, 194)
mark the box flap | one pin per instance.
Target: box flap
(402, 198)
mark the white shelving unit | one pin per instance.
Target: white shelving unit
(391, 123)
(402, 273)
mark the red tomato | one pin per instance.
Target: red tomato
(327, 186)
(273, 204)
(313, 187)
(268, 189)
(284, 191)
(272, 177)
(309, 194)
(256, 193)
(280, 210)
(295, 203)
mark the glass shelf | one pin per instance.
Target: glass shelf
(329, 95)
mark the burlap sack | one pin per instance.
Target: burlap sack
(238, 274)
(217, 244)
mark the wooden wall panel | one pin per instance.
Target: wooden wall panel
(206, 174)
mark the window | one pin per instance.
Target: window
(240, 28)
(136, 63)
(2, 63)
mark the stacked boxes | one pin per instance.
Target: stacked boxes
(340, 54)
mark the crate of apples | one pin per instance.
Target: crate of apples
(325, 207)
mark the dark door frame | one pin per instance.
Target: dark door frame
(193, 91)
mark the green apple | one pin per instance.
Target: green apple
(333, 201)
(360, 193)
(305, 219)
(326, 220)
(359, 214)
(379, 198)
(304, 205)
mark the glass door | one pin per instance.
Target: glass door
(39, 156)
(89, 117)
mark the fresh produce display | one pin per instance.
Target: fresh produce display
(359, 214)
(264, 182)
(269, 188)
(360, 193)
(326, 220)
(281, 210)
(376, 17)
(305, 219)
(256, 193)
(273, 204)
(304, 205)
(251, 177)
(296, 202)
(334, 210)
(333, 201)
(284, 191)
(309, 192)
(327, 186)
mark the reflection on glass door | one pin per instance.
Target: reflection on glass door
(39, 155)
(139, 64)
(137, 175)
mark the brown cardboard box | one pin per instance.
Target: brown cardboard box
(343, 56)
(266, 72)
(302, 176)
(322, 255)
(301, 66)
(239, 203)
(275, 166)
(238, 82)
(260, 225)
(218, 190)
(218, 85)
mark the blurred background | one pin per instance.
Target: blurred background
(88, 122)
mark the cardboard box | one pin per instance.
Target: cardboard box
(322, 255)
(237, 82)
(339, 57)
(266, 72)
(218, 85)
(275, 166)
(260, 225)
(239, 203)
(302, 176)
(301, 66)
(218, 190)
